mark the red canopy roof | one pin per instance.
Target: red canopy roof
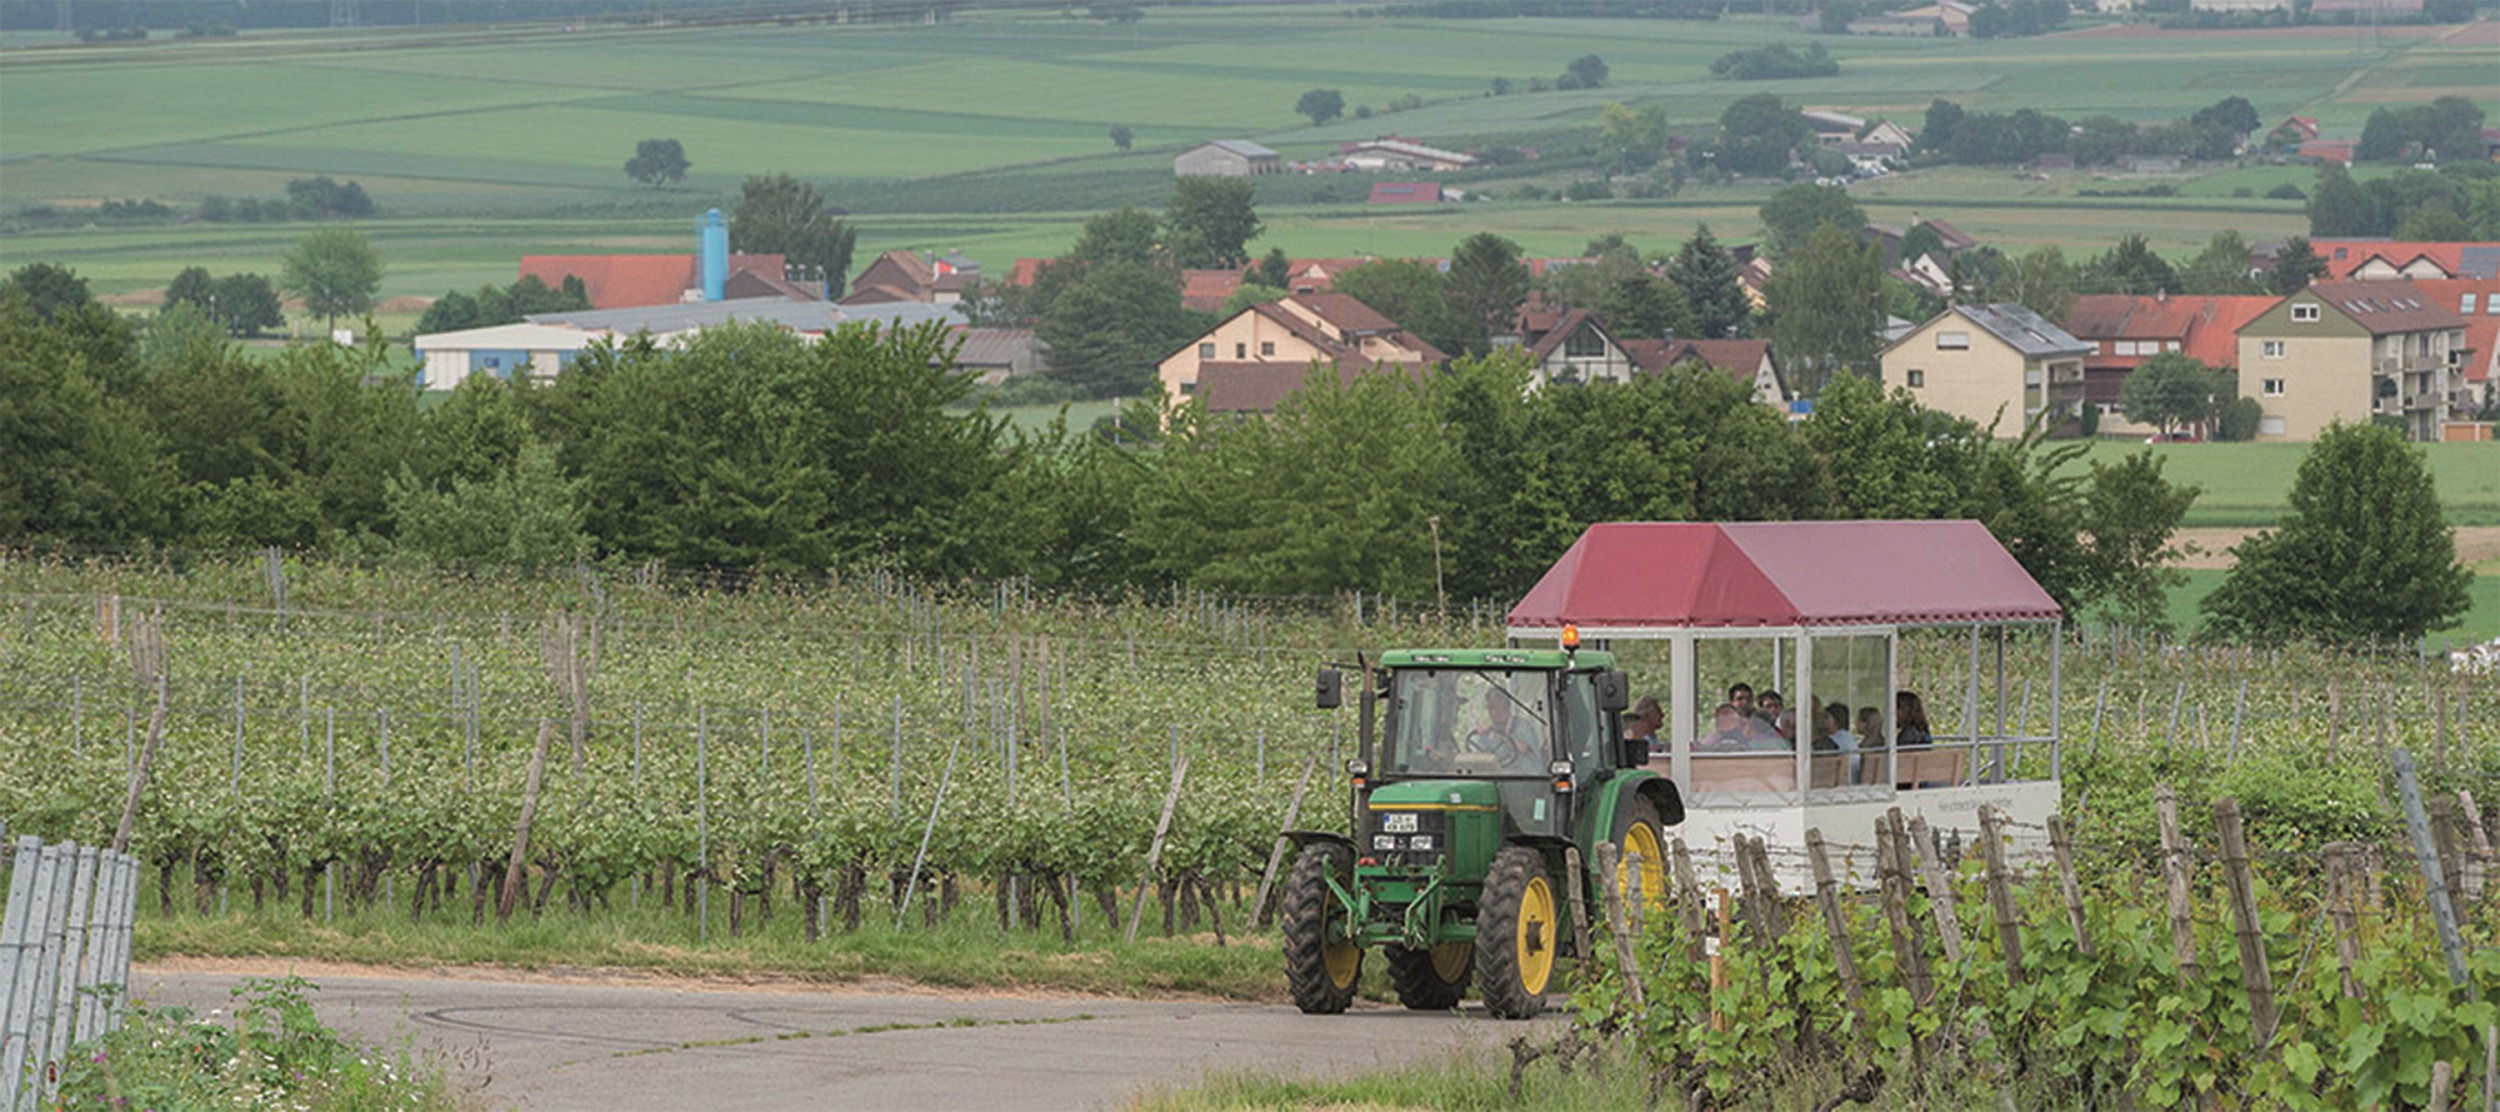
(1627, 576)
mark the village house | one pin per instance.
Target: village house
(1747, 361)
(1260, 355)
(2124, 330)
(1390, 152)
(631, 281)
(2000, 365)
(2351, 351)
(2368, 260)
(933, 279)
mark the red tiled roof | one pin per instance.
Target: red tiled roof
(1208, 290)
(1406, 193)
(2482, 328)
(1345, 312)
(633, 281)
(2330, 150)
(2357, 253)
(2206, 327)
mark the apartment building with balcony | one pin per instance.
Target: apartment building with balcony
(2352, 351)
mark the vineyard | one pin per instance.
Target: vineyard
(692, 761)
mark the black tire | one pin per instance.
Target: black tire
(1638, 834)
(1518, 927)
(1319, 968)
(1433, 979)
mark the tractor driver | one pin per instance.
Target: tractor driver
(1512, 742)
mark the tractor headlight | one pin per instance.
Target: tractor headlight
(1422, 842)
(1384, 842)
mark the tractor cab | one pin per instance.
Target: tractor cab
(1483, 781)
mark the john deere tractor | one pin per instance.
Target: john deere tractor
(1489, 765)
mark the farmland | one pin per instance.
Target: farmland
(987, 134)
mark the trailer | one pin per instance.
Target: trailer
(1816, 611)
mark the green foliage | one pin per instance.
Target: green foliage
(1406, 292)
(75, 463)
(1248, 294)
(2130, 514)
(2040, 280)
(2447, 129)
(1487, 283)
(1632, 139)
(1108, 328)
(2169, 390)
(2131, 267)
(751, 448)
(2221, 268)
(1124, 235)
(48, 290)
(321, 198)
(1707, 275)
(530, 516)
(2295, 266)
(1321, 105)
(335, 271)
(493, 305)
(2364, 554)
(1210, 221)
(781, 215)
(273, 1051)
(1121, 136)
(1758, 133)
(1825, 306)
(1791, 216)
(658, 162)
(1588, 71)
(1773, 62)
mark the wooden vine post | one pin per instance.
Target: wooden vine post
(2426, 857)
(147, 666)
(1154, 849)
(2340, 898)
(2174, 872)
(1690, 900)
(1259, 911)
(2062, 848)
(2000, 883)
(2254, 975)
(1618, 923)
(1940, 898)
(1908, 957)
(512, 874)
(1579, 882)
(1827, 895)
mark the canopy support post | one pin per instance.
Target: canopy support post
(2057, 699)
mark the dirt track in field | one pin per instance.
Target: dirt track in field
(2476, 544)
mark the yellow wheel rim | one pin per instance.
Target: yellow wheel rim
(1344, 960)
(1536, 936)
(1645, 858)
(1449, 959)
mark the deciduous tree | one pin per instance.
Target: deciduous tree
(2130, 514)
(1210, 221)
(2168, 391)
(1758, 133)
(1405, 292)
(2364, 554)
(1792, 214)
(335, 271)
(1321, 105)
(658, 162)
(781, 215)
(1826, 307)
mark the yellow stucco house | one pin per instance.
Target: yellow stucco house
(1998, 364)
(1258, 356)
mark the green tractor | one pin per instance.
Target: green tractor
(1491, 765)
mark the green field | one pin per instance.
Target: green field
(988, 134)
(2246, 484)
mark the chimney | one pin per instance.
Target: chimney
(714, 262)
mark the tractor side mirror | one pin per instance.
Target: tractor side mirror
(1614, 690)
(1329, 689)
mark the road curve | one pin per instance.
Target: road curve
(655, 1044)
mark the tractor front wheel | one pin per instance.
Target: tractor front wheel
(1517, 929)
(1644, 859)
(1322, 960)
(1435, 978)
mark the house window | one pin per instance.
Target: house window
(1206, 350)
(1188, 388)
(1954, 341)
(2269, 426)
(2270, 387)
(2273, 349)
(2170, 345)
(2465, 305)
(1267, 347)
(1241, 351)
(1918, 379)
(2304, 313)
(1583, 344)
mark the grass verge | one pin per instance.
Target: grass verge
(962, 953)
(270, 1053)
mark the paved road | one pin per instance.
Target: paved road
(666, 1045)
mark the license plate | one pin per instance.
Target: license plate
(1398, 822)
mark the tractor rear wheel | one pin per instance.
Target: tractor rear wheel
(1435, 978)
(1644, 856)
(1517, 929)
(1322, 960)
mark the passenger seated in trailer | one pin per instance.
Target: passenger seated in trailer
(1740, 696)
(1762, 731)
(1909, 716)
(1728, 733)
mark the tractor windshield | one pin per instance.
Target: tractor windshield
(1468, 721)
